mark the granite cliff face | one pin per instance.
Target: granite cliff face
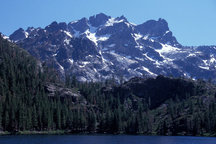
(102, 47)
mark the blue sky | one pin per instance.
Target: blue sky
(193, 22)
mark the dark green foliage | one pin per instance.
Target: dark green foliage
(24, 104)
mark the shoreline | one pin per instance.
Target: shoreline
(63, 132)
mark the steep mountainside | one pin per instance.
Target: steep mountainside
(166, 106)
(102, 47)
(32, 99)
(29, 92)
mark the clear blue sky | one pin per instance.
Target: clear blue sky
(193, 22)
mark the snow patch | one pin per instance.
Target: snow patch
(187, 75)
(81, 66)
(167, 49)
(128, 24)
(67, 41)
(94, 69)
(166, 32)
(147, 70)
(151, 40)
(148, 57)
(141, 59)
(202, 67)
(26, 34)
(139, 46)
(158, 64)
(137, 36)
(71, 61)
(85, 62)
(104, 37)
(205, 62)
(91, 36)
(198, 52)
(145, 37)
(5, 37)
(212, 60)
(31, 29)
(73, 22)
(112, 21)
(191, 55)
(61, 67)
(68, 34)
(89, 56)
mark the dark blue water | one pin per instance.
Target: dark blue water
(83, 139)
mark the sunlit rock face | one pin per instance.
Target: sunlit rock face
(102, 47)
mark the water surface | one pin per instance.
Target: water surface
(102, 139)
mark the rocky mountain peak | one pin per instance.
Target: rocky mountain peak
(159, 31)
(153, 27)
(18, 35)
(99, 19)
(163, 22)
(30, 29)
(102, 47)
(54, 26)
(80, 25)
(123, 18)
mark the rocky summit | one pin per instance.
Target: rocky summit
(102, 47)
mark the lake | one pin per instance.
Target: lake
(104, 139)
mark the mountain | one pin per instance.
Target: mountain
(34, 100)
(102, 47)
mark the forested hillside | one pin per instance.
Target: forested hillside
(32, 98)
(27, 93)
